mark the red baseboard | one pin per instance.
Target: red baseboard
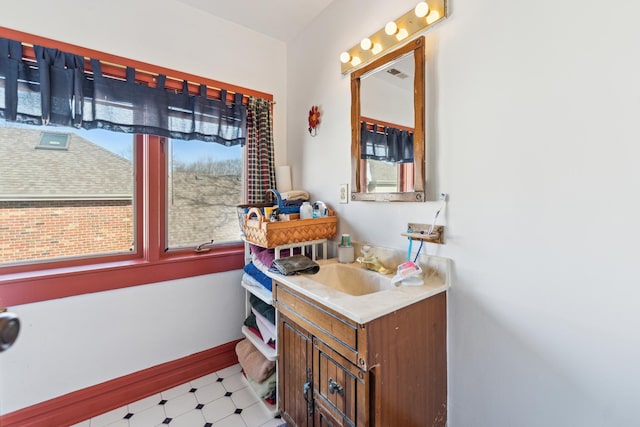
(83, 404)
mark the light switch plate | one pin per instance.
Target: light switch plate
(344, 193)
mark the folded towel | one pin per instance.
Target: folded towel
(295, 264)
(259, 265)
(298, 202)
(256, 332)
(295, 195)
(253, 271)
(251, 322)
(266, 328)
(268, 311)
(253, 362)
(249, 280)
(265, 388)
(267, 255)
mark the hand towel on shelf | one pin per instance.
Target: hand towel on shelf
(259, 265)
(251, 321)
(249, 280)
(296, 264)
(258, 275)
(295, 195)
(255, 331)
(265, 256)
(265, 388)
(263, 308)
(266, 328)
(253, 362)
(252, 324)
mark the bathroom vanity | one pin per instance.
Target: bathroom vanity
(372, 359)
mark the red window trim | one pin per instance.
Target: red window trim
(58, 279)
(23, 288)
(370, 122)
(149, 264)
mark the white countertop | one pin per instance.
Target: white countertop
(364, 308)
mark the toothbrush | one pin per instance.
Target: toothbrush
(443, 199)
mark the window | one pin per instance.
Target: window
(67, 194)
(386, 157)
(155, 191)
(204, 186)
(53, 141)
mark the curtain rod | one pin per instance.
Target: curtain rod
(370, 122)
(153, 76)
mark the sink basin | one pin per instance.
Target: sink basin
(352, 279)
(363, 295)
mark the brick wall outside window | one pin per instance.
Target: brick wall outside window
(36, 230)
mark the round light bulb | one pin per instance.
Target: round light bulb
(433, 17)
(402, 34)
(376, 49)
(366, 44)
(422, 9)
(391, 28)
(345, 57)
(355, 61)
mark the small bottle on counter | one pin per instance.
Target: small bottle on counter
(306, 211)
(319, 209)
(345, 250)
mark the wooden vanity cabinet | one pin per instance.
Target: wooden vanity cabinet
(295, 391)
(388, 372)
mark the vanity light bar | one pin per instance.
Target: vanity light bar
(394, 33)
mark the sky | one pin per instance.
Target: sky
(186, 151)
(122, 144)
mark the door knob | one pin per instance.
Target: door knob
(9, 329)
(334, 387)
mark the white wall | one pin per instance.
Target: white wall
(384, 101)
(72, 343)
(533, 126)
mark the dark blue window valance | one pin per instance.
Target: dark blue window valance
(56, 90)
(387, 144)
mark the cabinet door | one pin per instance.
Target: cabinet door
(325, 417)
(295, 386)
(339, 386)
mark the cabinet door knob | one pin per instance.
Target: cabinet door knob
(335, 387)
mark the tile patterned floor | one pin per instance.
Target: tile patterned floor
(221, 399)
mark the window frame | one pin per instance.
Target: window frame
(149, 263)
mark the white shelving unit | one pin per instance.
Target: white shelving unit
(265, 295)
(312, 244)
(261, 292)
(270, 353)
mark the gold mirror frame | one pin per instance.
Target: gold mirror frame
(417, 47)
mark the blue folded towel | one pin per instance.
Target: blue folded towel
(254, 272)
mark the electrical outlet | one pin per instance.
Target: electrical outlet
(344, 193)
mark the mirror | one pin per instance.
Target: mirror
(387, 127)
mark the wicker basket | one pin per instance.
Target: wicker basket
(271, 234)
